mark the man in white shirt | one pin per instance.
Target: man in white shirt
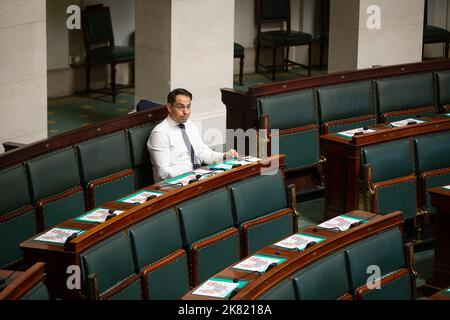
(175, 144)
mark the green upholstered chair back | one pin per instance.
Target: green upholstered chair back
(324, 280)
(140, 158)
(54, 173)
(39, 292)
(283, 291)
(403, 93)
(103, 156)
(291, 110)
(400, 289)
(111, 260)
(97, 24)
(346, 101)
(443, 79)
(274, 10)
(14, 190)
(205, 216)
(384, 250)
(258, 196)
(389, 160)
(155, 238)
(432, 152)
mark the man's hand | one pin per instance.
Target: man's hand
(231, 154)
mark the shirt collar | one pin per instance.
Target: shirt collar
(173, 123)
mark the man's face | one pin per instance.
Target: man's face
(181, 109)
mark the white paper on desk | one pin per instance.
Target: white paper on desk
(251, 159)
(447, 187)
(341, 222)
(403, 123)
(257, 263)
(140, 197)
(216, 288)
(57, 235)
(97, 215)
(299, 241)
(351, 133)
(223, 166)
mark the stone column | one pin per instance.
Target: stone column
(367, 33)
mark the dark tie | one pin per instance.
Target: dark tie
(194, 160)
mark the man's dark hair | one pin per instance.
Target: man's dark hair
(172, 96)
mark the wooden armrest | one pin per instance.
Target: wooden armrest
(8, 146)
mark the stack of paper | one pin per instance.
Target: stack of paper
(140, 197)
(403, 123)
(258, 263)
(218, 288)
(299, 241)
(447, 187)
(57, 235)
(341, 223)
(351, 133)
(97, 215)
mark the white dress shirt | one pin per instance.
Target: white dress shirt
(169, 154)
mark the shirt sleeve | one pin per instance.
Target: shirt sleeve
(204, 153)
(158, 146)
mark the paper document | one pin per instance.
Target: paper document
(140, 197)
(218, 288)
(447, 187)
(351, 133)
(403, 123)
(258, 263)
(57, 235)
(97, 215)
(342, 222)
(251, 159)
(299, 241)
(223, 166)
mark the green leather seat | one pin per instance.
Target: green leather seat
(140, 158)
(345, 107)
(384, 251)
(435, 34)
(404, 97)
(432, 154)
(158, 251)
(239, 52)
(112, 263)
(294, 111)
(106, 168)
(56, 187)
(261, 211)
(393, 177)
(39, 292)
(283, 291)
(116, 53)
(443, 79)
(17, 216)
(208, 234)
(324, 280)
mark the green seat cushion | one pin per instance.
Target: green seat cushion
(265, 234)
(64, 209)
(258, 196)
(400, 196)
(389, 160)
(111, 54)
(111, 260)
(432, 33)
(324, 280)
(54, 173)
(217, 257)
(283, 37)
(169, 282)
(155, 238)
(290, 110)
(205, 216)
(399, 289)
(132, 292)
(14, 186)
(38, 292)
(384, 250)
(114, 189)
(104, 156)
(12, 233)
(345, 101)
(402, 93)
(444, 87)
(283, 291)
(432, 152)
(238, 50)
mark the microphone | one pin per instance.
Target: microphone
(271, 266)
(169, 185)
(197, 178)
(355, 224)
(75, 234)
(288, 249)
(334, 229)
(235, 280)
(411, 123)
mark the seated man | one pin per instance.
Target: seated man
(175, 145)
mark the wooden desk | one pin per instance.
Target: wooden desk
(59, 257)
(440, 198)
(343, 155)
(297, 260)
(21, 282)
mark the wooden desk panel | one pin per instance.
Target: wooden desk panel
(259, 285)
(440, 198)
(343, 165)
(59, 257)
(22, 281)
